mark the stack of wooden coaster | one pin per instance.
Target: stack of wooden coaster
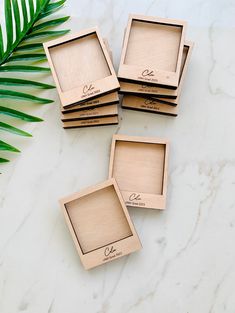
(85, 79)
(153, 64)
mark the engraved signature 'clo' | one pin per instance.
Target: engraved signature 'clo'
(109, 250)
(88, 88)
(134, 196)
(147, 73)
(150, 101)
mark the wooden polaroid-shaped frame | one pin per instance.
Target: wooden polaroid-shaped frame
(152, 51)
(143, 90)
(147, 104)
(81, 67)
(100, 224)
(111, 98)
(91, 122)
(106, 111)
(163, 94)
(139, 165)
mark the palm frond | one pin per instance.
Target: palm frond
(19, 115)
(52, 8)
(25, 31)
(28, 57)
(23, 68)
(11, 94)
(32, 46)
(2, 160)
(7, 147)
(48, 33)
(14, 130)
(50, 23)
(18, 82)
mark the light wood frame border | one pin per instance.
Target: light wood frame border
(161, 78)
(175, 102)
(101, 86)
(122, 247)
(149, 105)
(151, 201)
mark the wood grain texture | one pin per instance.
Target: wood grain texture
(152, 51)
(79, 61)
(98, 219)
(139, 164)
(100, 224)
(153, 45)
(81, 67)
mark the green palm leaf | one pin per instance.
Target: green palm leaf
(32, 46)
(52, 8)
(28, 57)
(14, 130)
(9, 24)
(49, 33)
(17, 17)
(20, 115)
(54, 5)
(22, 24)
(31, 9)
(1, 43)
(50, 23)
(5, 146)
(23, 82)
(25, 14)
(23, 68)
(6, 94)
(2, 160)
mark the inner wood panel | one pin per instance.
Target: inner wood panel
(139, 167)
(79, 61)
(153, 45)
(98, 219)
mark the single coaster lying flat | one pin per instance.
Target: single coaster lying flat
(110, 110)
(139, 165)
(81, 67)
(152, 51)
(100, 224)
(148, 105)
(92, 122)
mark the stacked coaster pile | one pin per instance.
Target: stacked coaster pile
(153, 64)
(85, 79)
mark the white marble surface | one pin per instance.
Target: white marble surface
(187, 264)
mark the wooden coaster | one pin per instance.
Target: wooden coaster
(158, 92)
(110, 110)
(139, 165)
(148, 105)
(111, 98)
(91, 122)
(152, 51)
(100, 224)
(81, 67)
